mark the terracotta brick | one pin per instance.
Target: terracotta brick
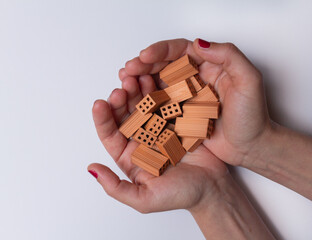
(152, 101)
(171, 111)
(169, 145)
(155, 125)
(149, 160)
(179, 70)
(193, 127)
(144, 137)
(181, 91)
(201, 110)
(133, 123)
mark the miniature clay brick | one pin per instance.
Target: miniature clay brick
(152, 101)
(179, 70)
(169, 145)
(149, 160)
(181, 91)
(133, 123)
(171, 111)
(155, 125)
(201, 109)
(207, 94)
(197, 82)
(190, 144)
(192, 127)
(144, 137)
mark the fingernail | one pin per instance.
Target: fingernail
(203, 44)
(93, 173)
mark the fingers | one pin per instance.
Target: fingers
(118, 103)
(234, 62)
(134, 95)
(158, 55)
(147, 84)
(107, 130)
(122, 190)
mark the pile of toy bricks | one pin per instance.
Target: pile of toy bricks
(170, 122)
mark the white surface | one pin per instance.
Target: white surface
(57, 57)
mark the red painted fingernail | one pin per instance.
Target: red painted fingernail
(94, 174)
(203, 44)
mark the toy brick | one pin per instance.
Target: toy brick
(190, 144)
(197, 82)
(181, 91)
(207, 94)
(144, 137)
(133, 123)
(155, 125)
(152, 101)
(149, 160)
(169, 145)
(201, 110)
(171, 111)
(193, 127)
(179, 70)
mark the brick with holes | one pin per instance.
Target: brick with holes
(171, 111)
(181, 91)
(197, 82)
(155, 124)
(190, 144)
(169, 145)
(149, 160)
(152, 101)
(144, 137)
(201, 110)
(179, 70)
(133, 123)
(207, 94)
(193, 127)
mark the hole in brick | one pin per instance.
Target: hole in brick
(149, 143)
(165, 114)
(151, 103)
(165, 131)
(147, 107)
(147, 135)
(143, 110)
(152, 138)
(176, 110)
(169, 107)
(147, 99)
(155, 125)
(144, 103)
(151, 129)
(157, 120)
(144, 140)
(142, 133)
(162, 123)
(174, 105)
(171, 112)
(158, 127)
(155, 132)
(140, 106)
(139, 137)
(163, 109)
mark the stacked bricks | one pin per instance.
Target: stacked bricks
(189, 105)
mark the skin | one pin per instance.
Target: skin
(243, 136)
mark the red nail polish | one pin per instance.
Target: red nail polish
(94, 174)
(203, 44)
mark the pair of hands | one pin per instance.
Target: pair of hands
(197, 178)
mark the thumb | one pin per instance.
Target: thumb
(122, 190)
(233, 61)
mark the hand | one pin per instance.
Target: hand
(193, 181)
(244, 118)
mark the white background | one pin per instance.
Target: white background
(58, 56)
